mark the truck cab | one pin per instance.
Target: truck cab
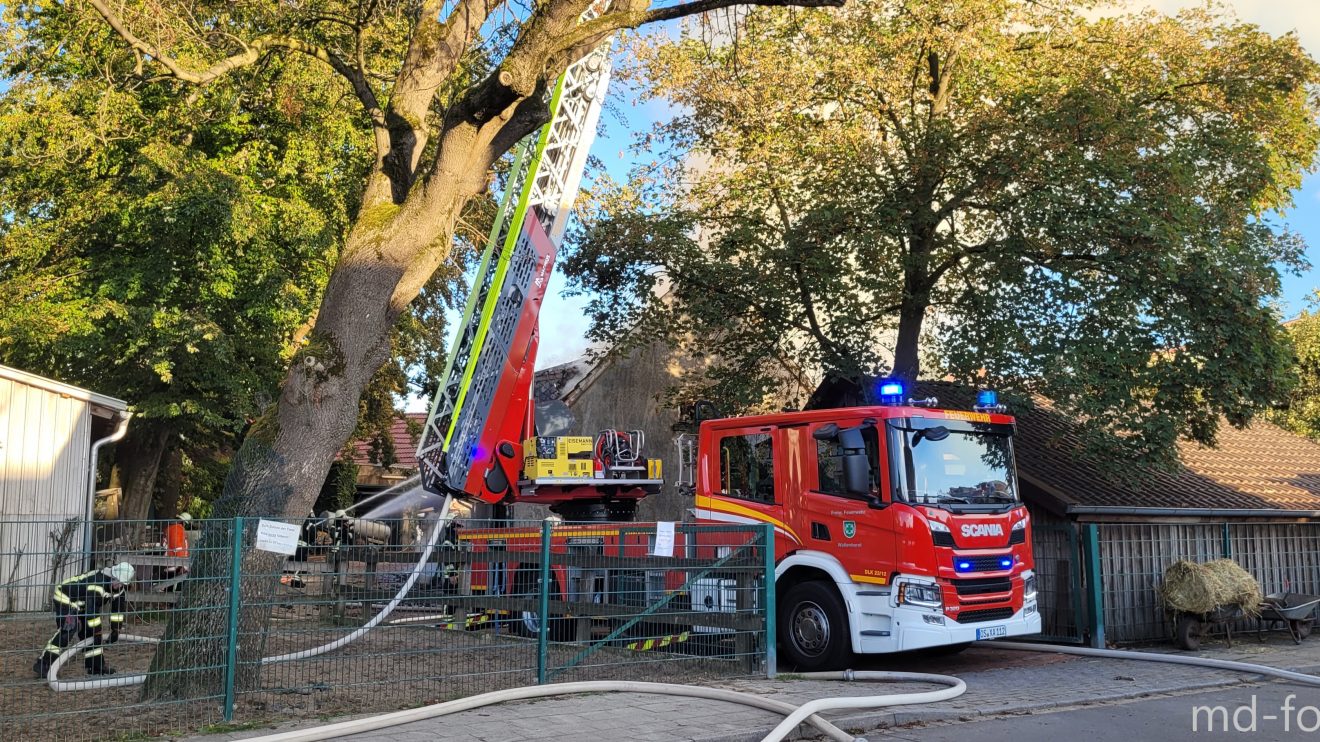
(897, 527)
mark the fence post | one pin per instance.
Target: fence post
(1228, 544)
(231, 656)
(768, 604)
(543, 625)
(1094, 578)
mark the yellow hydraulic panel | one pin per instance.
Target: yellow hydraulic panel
(549, 456)
(653, 469)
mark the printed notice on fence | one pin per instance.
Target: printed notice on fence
(281, 538)
(664, 539)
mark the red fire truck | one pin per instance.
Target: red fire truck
(897, 526)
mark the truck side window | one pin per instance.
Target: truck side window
(747, 467)
(829, 463)
(829, 467)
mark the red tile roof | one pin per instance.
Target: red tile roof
(405, 445)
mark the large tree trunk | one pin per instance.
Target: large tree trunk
(283, 462)
(138, 456)
(169, 483)
(907, 358)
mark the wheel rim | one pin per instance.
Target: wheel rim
(810, 629)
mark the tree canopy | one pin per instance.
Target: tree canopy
(1019, 195)
(1300, 412)
(165, 248)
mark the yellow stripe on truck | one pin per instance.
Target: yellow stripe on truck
(733, 508)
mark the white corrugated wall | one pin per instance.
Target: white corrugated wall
(45, 442)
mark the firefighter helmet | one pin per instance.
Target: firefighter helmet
(121, 573)
(185, 517)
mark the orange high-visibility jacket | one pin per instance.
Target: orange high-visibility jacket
(176, 541)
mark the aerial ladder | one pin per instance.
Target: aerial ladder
(480, 440)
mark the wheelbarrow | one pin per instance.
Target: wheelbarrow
(1294, 610)
(1189, 628)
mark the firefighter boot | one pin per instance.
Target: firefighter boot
(96, 666)
(42, 665)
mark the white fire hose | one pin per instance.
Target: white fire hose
(795, 715)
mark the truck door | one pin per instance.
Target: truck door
(747, 481)
(858, 529)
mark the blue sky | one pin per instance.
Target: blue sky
(563, 320)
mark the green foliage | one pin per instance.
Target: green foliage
(165, 248)
(1301, 414)
(1080, 208)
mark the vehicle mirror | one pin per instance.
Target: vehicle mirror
(826, 432)
(934, 434)
(851, 438)
(856, 474)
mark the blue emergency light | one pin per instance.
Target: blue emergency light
(964, 566)
(987, 398)
(891, 392)
(1006, 562)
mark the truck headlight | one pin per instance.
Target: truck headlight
(1021, 525)
(920, 594)
(939, 527)
(1029, 586)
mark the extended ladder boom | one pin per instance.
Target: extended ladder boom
(480, 405)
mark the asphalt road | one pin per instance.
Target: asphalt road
(1222, 714)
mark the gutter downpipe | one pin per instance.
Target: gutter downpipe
(1193, 512)
(91, 484)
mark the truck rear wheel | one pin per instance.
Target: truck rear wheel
(813, 627)
(528, 623)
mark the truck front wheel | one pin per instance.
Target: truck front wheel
(813, 627)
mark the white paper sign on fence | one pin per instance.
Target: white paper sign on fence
(281, 538)
(664, 539)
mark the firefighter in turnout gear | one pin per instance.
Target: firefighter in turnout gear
(79, 602)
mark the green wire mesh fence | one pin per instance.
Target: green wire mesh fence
(362, 616)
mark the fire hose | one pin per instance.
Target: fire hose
(794, 715)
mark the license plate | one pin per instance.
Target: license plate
(992, 632)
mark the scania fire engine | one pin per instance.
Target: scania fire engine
(897, 526)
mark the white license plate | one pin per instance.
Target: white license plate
(992, 632)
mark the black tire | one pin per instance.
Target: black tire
(1187, 631)
(813, 627)
(1302, 627)
(526, 584)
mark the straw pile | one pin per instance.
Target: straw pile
(1200, 588)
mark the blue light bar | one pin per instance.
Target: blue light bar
(964, 566)
(1006, 562)
(987, 398)
(891, 392)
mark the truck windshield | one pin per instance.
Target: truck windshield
(954, 466)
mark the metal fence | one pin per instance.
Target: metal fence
(1283, 557)
(247, 636)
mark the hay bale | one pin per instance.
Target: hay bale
(1201, 588)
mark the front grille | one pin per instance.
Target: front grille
(983, 586)
(989, 614)
(1017, 537)
(980, 563)
(942, 538)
